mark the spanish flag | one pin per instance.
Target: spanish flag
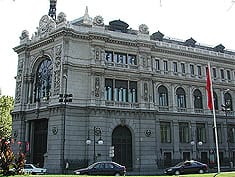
(208, 88)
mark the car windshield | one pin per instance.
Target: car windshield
(92, 165)
(179, 164)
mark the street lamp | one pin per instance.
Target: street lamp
(227, 102)
(226, 107)
(96, 132)
(64, 98)
(197, 144)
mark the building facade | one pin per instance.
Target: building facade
(86, 92)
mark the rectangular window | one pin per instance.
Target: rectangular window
(214, 74)
(184, 132)
(132, 59)
(181, 102)
(163, 100)
(201, 133)
(219, 133)
(165, 128)
(120, 90)
(165, 65)
(231, 133)
(157, 64)
(132, 92)
(109, 56)
(175, 68)
(191, 69)
(228, 75)
(183, 68)
(199, 71)
(120, 58)
(222, 74)
(109, 89)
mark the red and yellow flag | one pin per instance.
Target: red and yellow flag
(208, 88)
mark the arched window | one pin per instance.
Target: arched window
(215, 101)
(181, 98)
(197, 99)
(228, 101)
(163, 96)
(43, 80)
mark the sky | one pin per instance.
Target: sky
(209, 22)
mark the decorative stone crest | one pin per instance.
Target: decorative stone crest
(54, 130)
(98, 21)
(46, 25)
(148, 133)
(143, 29)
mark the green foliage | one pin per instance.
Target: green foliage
(6, 106)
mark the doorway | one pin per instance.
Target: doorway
(40, 141)
(122, 142)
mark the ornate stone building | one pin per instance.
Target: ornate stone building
(143, 94)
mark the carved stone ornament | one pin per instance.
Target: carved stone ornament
(97, 87)
(145, 92)
(143, 29)
(24, 35)
(98, 21)
(61, 18)
(43, 24)
(57, 69)
(46, 25)
(148, 133)
(54, 130)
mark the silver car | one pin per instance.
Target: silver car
(31, 169)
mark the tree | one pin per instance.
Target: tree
(6, 106)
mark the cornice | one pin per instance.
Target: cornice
(189, 54)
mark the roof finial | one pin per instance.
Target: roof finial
(86, 18)
(52, 10)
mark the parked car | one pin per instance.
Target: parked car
(31, 169)
(187, 167)
(103, 168)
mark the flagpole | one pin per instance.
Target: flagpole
(215, 126)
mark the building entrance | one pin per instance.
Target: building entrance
(122, 142)
(40, 141)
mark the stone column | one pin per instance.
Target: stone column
(175, 137)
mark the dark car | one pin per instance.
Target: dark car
(103, 168)
(187, 167)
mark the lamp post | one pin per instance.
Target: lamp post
(226, 108)
(227, 103)
(96, 132)
(64, 98)
(197, 144)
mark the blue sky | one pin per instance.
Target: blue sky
(209, 22)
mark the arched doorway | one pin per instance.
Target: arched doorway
(122, 142)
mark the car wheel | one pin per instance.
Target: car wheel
(177, 172)
(117, 174)
(201, 171)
